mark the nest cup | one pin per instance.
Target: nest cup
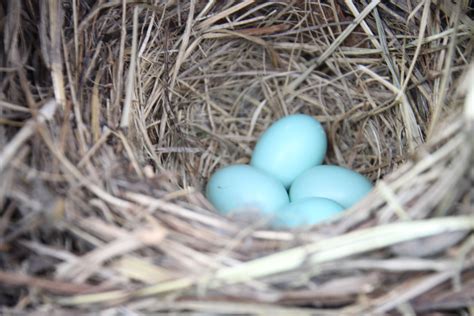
(115, 114)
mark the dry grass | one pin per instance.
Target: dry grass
(113, 115)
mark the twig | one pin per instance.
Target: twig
(446, 75)
(224, 14)
(125, 121)
(319, 252)
(17, 279)
(404, 295)
(55, 28)
(45, 114)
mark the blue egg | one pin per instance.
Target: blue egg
(242, 188)
(290, 146)
(339, 184)
(306, 212)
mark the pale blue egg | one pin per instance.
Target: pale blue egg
(339, 184)
(306, 212)
(242, 188)
(290, 146)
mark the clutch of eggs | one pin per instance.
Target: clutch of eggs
(288, 155)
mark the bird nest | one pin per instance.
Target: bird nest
(113, 115)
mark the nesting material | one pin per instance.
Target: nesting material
(113, 115)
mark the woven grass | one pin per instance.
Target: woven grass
(113, 115)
